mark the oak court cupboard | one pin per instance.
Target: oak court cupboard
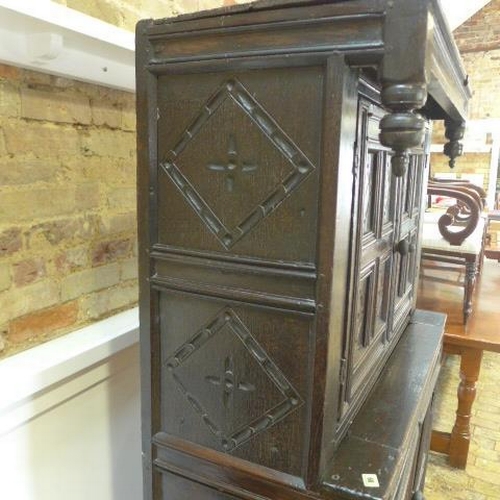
(282, 154)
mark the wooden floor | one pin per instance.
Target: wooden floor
(441, 291)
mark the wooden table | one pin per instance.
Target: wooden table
(482, 333)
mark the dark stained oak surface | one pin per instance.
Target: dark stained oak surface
(382, 431)
(281, 164)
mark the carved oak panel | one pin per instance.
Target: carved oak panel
(369, 194)
(363, 317)
(383, 295)
(233, 380)
(236, 167)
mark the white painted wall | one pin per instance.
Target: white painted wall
(79, 437)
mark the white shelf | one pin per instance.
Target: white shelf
(42, 366)
(51, 38)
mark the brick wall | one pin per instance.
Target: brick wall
(478, 40)
(67, 216)
(67, 188)
(125, 13)
(469, 163)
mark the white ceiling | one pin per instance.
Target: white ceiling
(457, 12)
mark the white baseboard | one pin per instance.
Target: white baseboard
(70, 416)
(36, 369)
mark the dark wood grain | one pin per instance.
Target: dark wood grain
(341, 116)
(278, 246)
(380, 438)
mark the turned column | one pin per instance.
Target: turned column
(403, 76)
(404, 73)
(454, 131)
(402, 129)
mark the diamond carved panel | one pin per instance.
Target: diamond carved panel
(236, 140)
(231, 382)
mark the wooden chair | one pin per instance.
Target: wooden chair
(456, 235)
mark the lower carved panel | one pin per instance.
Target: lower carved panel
(234, 379)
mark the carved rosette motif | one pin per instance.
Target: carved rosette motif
(235, 341)
(402, 129)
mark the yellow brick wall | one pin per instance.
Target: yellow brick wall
(67, 188)
(125, 13)
(67, 215)
(468, 163)
(478, 40)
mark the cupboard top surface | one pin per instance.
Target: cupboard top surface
(379, 434)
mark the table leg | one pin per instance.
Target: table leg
(470, 366)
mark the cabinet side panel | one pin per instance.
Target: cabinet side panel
(239, 162)
(333, 255)
(231, 198)
(234, 379)
(146, 223)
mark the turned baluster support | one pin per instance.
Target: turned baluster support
(403, 128)
(454, 131)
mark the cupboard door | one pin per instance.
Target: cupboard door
(372, 255)
(406, 255)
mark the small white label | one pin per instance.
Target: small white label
(370, 480)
